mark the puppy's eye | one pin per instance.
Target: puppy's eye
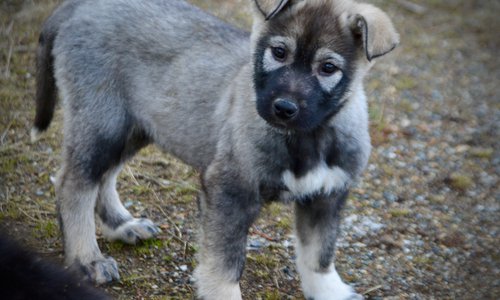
(279, 53)
(327, 69)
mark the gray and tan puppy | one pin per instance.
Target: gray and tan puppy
(278, 114)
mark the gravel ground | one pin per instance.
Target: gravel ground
(421, 224)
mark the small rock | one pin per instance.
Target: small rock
(436, 96)
(420, 198)
(390, 242)
(359, 245)
(254, 244)
(373, 226)
(462, 148)
(405, 122)
(183, 268)
(390, 197)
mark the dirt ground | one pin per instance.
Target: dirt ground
(423, 223)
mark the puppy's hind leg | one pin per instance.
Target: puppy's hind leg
(117, 222)
(317, 226)
(92, 150)
(76, 202)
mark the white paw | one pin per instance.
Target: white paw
(99, 271)
(211, 285)
(326, 286)
(338, 292)
(132, 231)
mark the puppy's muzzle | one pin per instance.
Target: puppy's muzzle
(285, 110)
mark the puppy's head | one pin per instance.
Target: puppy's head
(308, 54)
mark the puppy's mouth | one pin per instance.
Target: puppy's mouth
(287, 127)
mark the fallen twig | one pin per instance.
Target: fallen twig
(262, 234)
(368, 291)
(412, 7)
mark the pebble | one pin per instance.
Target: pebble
(390, 196)
(254, 244)
(372, 225)
(287, 244)
(436, 95)
(420, 198)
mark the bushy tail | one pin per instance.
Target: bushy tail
(46, 91)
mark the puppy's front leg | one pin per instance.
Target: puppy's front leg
(229, 204)
(317, 222)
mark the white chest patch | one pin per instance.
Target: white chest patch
(321, 179)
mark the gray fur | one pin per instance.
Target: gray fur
(132, 72)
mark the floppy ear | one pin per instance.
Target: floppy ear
(270, 8)
(375, 30)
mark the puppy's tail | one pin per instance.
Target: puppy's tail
(46, 94)
(46, 91)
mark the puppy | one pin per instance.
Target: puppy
(278, 114)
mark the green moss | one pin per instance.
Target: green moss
(48, 229)
(132, 279)
(484, 153)
(140, 190)
(373, 84)
(186, 190)
(264, 260)
(284, 223)
(423, 261)
(8, 165)
(495, 257)
(148, 247)
(388, 170)
(437, 199)
(181, 189)
(376, 113)
(396, 213)
(405, 82)
(9, 211)
(405, 105)
(377, 123)
(182, 193)
(269, 295)
(460, 181)
(260, 273)
(115, 246)
(168, 258)
(273, 210)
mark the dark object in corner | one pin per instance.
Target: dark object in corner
(23, 275)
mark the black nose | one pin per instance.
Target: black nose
(285, 109)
